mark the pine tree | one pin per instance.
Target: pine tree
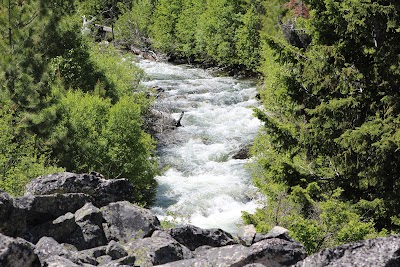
(332, 108)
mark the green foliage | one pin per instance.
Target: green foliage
(331, 122)
(187, 28)
(20, 161)
(317, 221)
(129, 149)
(123, 77)
(163, 25)
(94, 135)
(63, 97)
(133, 25)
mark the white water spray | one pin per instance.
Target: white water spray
(203, 184)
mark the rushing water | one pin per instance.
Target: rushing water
(203, 185)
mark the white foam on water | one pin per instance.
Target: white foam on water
(204, 186)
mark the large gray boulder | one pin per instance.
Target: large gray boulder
(42, 208)
(89, 233)
(47, 247)
(12, 218)
(156, 250)
(58, 261)
(102, 191)
(16, 252)
(379, 252)
(195, 262)
(125, 221)
(271, 252)
(193, 237)
(60, 229)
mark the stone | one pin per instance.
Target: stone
(89, 256)
(12, 218)
(16, 252)
(47, 247)
(125, 261)
(161, 233)
(42, 208)
(279, 232)
(58, 261)
(243, 153)
(378, 252)
(104, 260)
(271, 252)
(59, 229)
(247, 234)
(116, 250)
(90, 231)
(157, 250)
(101, 190)
(126, 221)
(193, 237)
(196, 262)
(277, 252)
(276, 232)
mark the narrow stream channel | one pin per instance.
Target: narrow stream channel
(203, 185)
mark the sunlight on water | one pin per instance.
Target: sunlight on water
(203, 185)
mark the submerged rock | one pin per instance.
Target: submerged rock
(243, 153)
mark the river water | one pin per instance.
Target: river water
(203, 185)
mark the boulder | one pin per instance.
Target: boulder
(277, 252)
(16, 252)
(156, 250)
(271, 252)
(115, 250)
(102, 191)
(43, 208)
(59, 229)
(93, 252)
(47, 247)
(126, 221)
(161, 233)
(276, 232)
(196, 262)
(193, 237)
(378, 252)
(12, 218)
(58, 261)
(89, 233)
(247, 234)
(122, 262)
(243, 153)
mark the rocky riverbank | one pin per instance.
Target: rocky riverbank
(69, 219)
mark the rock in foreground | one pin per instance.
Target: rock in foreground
(378, 252)
(69, 219)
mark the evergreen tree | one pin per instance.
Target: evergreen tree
(331, 110)
(162, 30)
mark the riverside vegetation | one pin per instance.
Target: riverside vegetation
(327, 156)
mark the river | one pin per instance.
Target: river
(203, 185)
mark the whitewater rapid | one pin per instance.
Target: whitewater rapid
(203, 185)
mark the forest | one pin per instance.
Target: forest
(327, 157)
